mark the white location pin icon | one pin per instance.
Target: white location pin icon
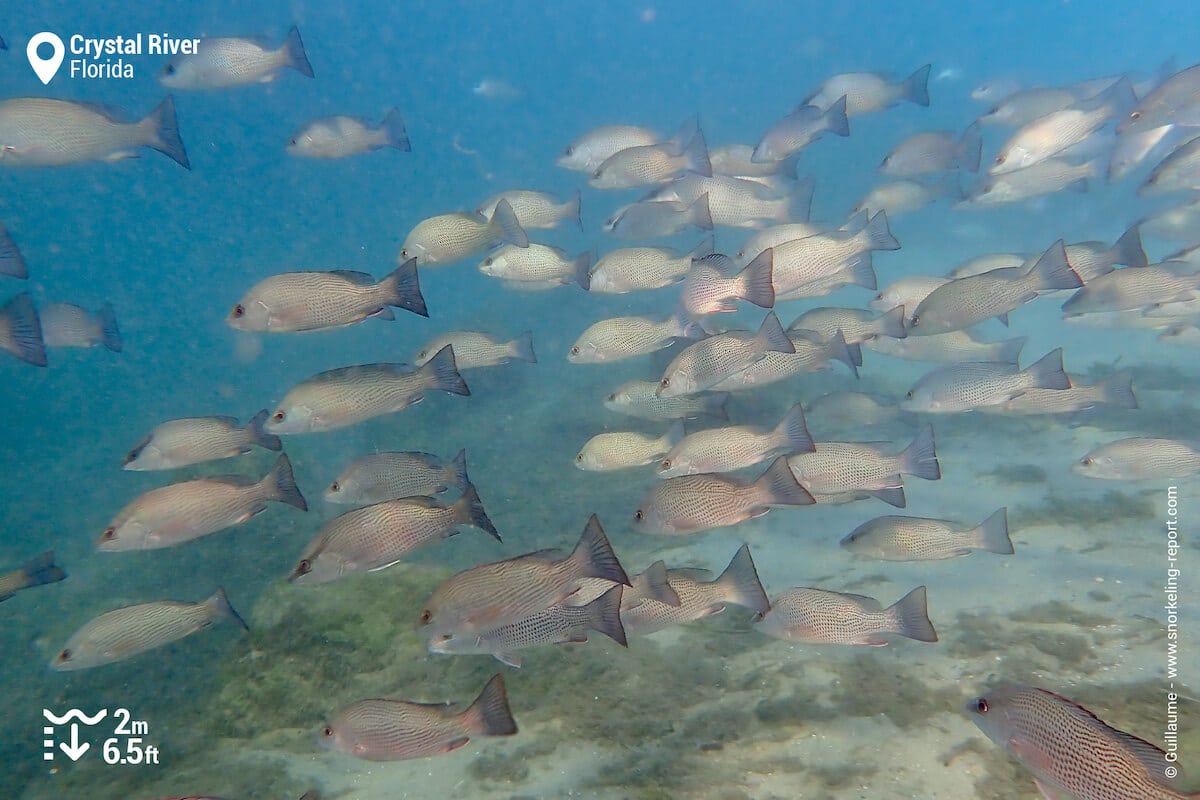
(45, 68)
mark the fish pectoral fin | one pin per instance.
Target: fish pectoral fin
(384, 566)
(249, 515)
(121, 155)
(757, 512)
(4, 597)
(511, 659)
(456, 743)
(1049, 793)
(383, 312)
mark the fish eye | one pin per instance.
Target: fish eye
(279, 416)
(65, 655)
(404, 253)
(612, 398)
(109, 534)
(426, 617)
(1087, 461)
(239, 310)
(665, 382)
(596, 174)
(1135, 115)
(579, 458)
(981, 705)
(487, 262)
(304, 567)
(169, 69)
(666, 464)
(916, 320)
(638, 515)
(908, 395)
(335, 487)
(570, 151)
(574, 350)
(327, 731)
(422, 354)
(1001, 158)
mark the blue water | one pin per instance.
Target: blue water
(172, 250)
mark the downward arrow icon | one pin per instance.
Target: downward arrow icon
(74, 750)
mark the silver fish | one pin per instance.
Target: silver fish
(905, 196)
(1178, 172)
(1048, 136)
(740, 203)
(907, 292)
(447, 238)
(66, 325)
(1090, 260)
(736, 447)
(632, 269)
(490, 595)
(1131, 288)
(953, 347)
(1069, 750)
(343, 136)
(1134, 149)
(12, 263)
(1045, 177)
(621, 449)
(799, 129)
(923, 539)
(653, 164)
(841, 467)
(773, 236)
(706, 363)
(37, 572)
(1176, 101)
(537, 266)
(654, 219)
(935, 151)
(737, 161)
(620, 338)
(392, 730)
(1026, 105)
(535, 210)
(558, 624)
(803, 262)
(855, 324)
(474, 349)
(376, 537)
(132, 630)
(971, 385)
(853, 409)
(40, 132)
(1115, 390)
(312, 301)
(1140, 458)
(642, 613)
(694, 503)
(348, 395)
(392, 475)
(591, 149)
(817, 616)
(707, 290)
(641, 399)
(985, 263)
(194, 440)
(813, 352)
(868, 91)
(222, 63)
(177, 513)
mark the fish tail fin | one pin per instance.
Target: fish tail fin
(1010, 350)
(915, 88)
(574, 209)
(920, 457)
(110, 334)
(280, 484)
(683, 135)
(791, 434)
(1117, 389)
(521, 348)
(12, 263)
(970, 148)
(673, 436)
(604, 615)
(443, 373)
(20, 317)
(1128, 249)
(910, 614)
(836, 121)
(860, 270)
(161, 131)
(771, 336)
(850, 355)
(489, 715)
(402, 289)
(779, 487)
(891, 324)
(705, 248)
(395, 134)
(42, 570)
(741, 584)
(993, 533)
(878, 234)
(696, 155)
(457, 470)
(1054, 271)
(293, 53)
(594, 556)
(654, 585)
(892, 495)
(756, 280)
(700, 214)
(261, 438)
(1048, 373)
(507, 227)
(799, 202)
(222, 609)
(581, 270)
(469, 511)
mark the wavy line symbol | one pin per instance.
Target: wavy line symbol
(74, 713)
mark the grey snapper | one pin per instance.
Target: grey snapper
(816, 616)
(342, 136)
(222, 63)
(194, 440)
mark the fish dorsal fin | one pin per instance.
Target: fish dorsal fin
(354, 276)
